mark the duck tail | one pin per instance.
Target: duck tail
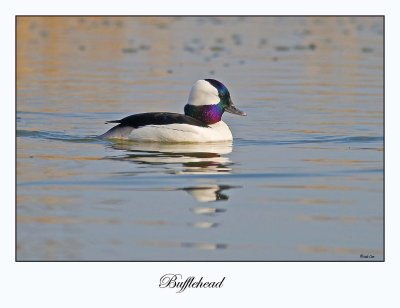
(113, 121)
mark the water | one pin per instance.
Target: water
(303, 179)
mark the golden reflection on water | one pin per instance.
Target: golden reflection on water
(341, 219)
(340, 250)
(58, 157)
(343, 123)
(46, 200)
(322, 201)
(332, 161)
(315, 187)
(311, 201)
(330, 187)
(201, 246)
(64, 220)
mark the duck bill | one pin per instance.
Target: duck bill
(231, 108)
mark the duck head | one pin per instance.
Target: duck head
(208, 100)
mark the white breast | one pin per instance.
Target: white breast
(182, 133)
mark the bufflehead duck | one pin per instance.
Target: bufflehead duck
(201, 122)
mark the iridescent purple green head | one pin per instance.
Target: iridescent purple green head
(208, 100)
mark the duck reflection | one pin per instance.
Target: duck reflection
(182, 158)
(196, 159)
(179, 158)
(208, 193)
(186, 159)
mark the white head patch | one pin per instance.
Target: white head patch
(203, 93)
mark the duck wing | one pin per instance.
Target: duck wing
(157, 118)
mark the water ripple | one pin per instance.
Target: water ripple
(315, 139)
(59, 136)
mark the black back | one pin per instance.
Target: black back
(158, 118)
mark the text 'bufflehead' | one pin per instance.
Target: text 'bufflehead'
(201, 122)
